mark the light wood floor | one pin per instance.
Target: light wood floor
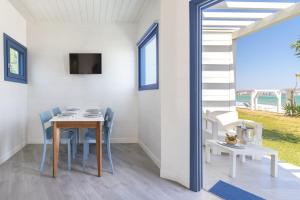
(136, 178)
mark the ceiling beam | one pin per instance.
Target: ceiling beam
(253, 5)
(218, 31)
(235, 15)
(220, 28)
(226, 23)
(278, 17)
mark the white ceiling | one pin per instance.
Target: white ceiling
(81, 11)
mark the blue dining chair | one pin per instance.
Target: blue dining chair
(90, 137)
(66, 137)
(57, 111)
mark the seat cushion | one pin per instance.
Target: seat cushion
(65, 133)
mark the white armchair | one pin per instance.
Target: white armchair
(217, 124)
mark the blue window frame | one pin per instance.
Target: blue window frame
(148, 59)
(15, 60)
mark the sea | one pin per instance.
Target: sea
(265, 100)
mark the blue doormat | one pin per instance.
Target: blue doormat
(230, 192)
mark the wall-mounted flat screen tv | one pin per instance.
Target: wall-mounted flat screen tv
(85, 63)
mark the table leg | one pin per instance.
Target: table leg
(233, 165)
(207, 151)
(56, 134)
(243, 158)
(274, 167)
(99, 147)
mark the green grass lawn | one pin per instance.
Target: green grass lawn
(280, 132)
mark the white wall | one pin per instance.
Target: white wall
(218, 85)
(13, 96)
(149, 100)
(50, 83)
(174, 57)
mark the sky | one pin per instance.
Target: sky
(265, 59)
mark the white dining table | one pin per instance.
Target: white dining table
(77, 120)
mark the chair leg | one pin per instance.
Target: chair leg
(69, 155)
(51, 151)
(74, 145)
(85, 152)
(76, 137)
(109, 156)
(43, 158)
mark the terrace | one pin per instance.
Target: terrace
(223, 24)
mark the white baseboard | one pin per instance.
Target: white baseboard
(113, 140)
(124, 140)
(150, 154)
(11, 152)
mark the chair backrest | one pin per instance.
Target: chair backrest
(228, 118)
(45, 117)
(108, 121)
(213, 114)
(56, 111)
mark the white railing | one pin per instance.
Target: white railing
(255, 94)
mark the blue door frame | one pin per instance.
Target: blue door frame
(196, 7)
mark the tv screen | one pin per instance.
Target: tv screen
(85, 63)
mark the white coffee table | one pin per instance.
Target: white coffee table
(249, 150)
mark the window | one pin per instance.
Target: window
(15, 60)
(148, 59)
